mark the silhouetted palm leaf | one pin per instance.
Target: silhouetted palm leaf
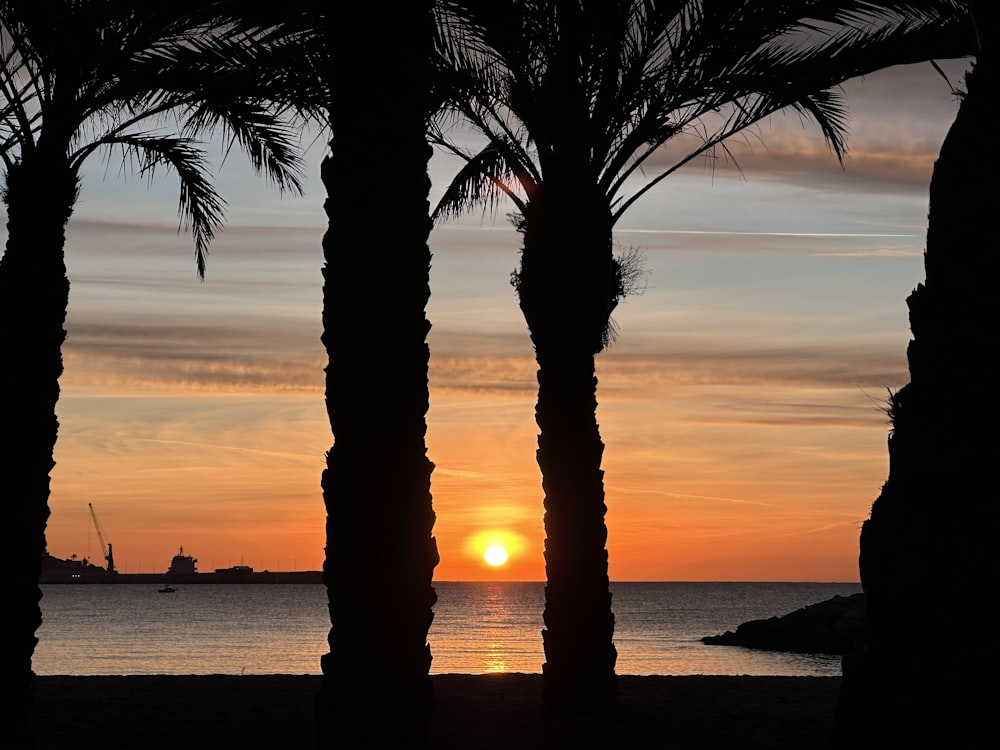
(649, 71)
(145, 68)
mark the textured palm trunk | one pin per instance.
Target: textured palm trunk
(567, 285)
(34, 293)
(928, 561)
(380, 552)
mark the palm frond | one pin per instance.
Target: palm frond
(200, 206)
(154, 80)
(484, 178)
(268, 142)
(612, 82)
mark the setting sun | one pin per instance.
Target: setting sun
(495, 555)
(499, 550)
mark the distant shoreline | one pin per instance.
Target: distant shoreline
(265, 576)
(312, 576)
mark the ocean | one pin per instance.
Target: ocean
(479, 627)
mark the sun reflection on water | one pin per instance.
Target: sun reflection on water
(498, 612)
(488, 627)
(496, 657)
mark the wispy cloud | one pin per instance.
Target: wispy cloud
(205, 373)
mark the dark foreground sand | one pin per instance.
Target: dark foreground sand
(473, 712)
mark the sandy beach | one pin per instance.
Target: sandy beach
(473, 712)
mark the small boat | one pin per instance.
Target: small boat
(167, 589)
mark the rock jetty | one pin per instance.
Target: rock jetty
(831, 627)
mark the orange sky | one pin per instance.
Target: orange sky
(740, 406)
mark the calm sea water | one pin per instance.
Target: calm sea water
(478, 628)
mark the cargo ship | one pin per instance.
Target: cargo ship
(183, 569)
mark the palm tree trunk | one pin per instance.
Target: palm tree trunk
(928, 552)
(34, 292)
(380, 553)
(567, 288)
(579, 669)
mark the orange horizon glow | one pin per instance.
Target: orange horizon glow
(166, 489)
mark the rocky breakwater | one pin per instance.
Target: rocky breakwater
(831, 627)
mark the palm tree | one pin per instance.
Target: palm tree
(928, 563)
(362, 72)
(380, 553)
(572, 99)
(79, 77)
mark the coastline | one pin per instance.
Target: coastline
(68, 578)
(472, 712)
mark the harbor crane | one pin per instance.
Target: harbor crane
(109, 556)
